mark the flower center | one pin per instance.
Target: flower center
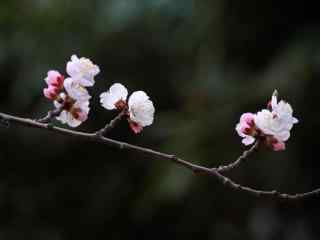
(120, 105)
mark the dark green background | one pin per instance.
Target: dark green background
(203, 63)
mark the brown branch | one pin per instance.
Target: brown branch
(112, 123)
(243, 157)
(169, 157)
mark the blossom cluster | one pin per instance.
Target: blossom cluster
(70, 94)
(271, 126)
(71, 97)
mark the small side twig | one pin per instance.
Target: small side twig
(112, 123)
(243, 157)
(50, 116)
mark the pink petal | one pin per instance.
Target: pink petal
(247, 118)
(279, 146)
(54, 78)
(51, 92)
(135, 127)
(82, 116)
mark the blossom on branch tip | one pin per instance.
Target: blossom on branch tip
(139, 108)
(272, 126)
(82, 70)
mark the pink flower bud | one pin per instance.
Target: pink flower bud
(51, 92)
(54, 78)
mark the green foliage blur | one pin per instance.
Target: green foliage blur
(203, 62)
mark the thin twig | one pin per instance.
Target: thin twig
(112, 123)
(243, 157)
(50, 116)
(274, 194)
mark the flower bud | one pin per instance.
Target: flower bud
(51, 92)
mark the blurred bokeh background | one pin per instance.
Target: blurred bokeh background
(203, 62)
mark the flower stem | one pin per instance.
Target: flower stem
(50, 116)
(112, 123)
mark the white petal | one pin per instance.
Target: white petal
(74, 58)
(138, 96)
(57, 104)
(238, 129)
(248, 140)
(83, 105)
(107, 101)
(119, 91)
(67, 118)
(82, 70)
(284, 108)
(142, 114)
(86, 81)
(263, 120)
(72, 122)
(116, 93)
(274, 102)
(75, 90)
(72, 69)
(63, 117)
(283, 136)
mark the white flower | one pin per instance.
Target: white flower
(116, 96)
(283, 111)
(82, 70)
(141, 109)
(74, 113)
(75, 90)
(272, 125)
(74, 116)
(278, 121)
